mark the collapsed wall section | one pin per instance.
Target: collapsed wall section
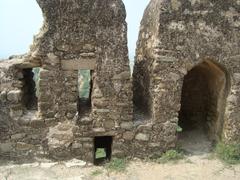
(22, 130)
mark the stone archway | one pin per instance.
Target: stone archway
(203, 101)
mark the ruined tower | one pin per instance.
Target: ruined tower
(187, 68)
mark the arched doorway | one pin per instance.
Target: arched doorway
(203, 102)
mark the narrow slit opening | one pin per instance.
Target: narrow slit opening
(84, 91)
(30, 89)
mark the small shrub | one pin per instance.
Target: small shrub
(229, 153)
(117, 164)
(170, 155)
(154, 156)
(211, 156)
(96, 172)
(188, 161)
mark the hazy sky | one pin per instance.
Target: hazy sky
(21, 19)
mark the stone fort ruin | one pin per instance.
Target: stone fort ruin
(186, 73)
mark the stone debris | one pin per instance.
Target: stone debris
(75, 162)
(47, 165)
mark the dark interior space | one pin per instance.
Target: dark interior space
(194, 100)
(30, 100)
(203, 100)
(142, 109)
(102, 149)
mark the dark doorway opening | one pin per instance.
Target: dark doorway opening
(30, 79)
(203, 101)
(84, 91)
(102, 149)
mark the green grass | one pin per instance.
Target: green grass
(100, 153)
(170, 156)
(188, 161)
(96, 172)
(116, 164)
(179, 129)
(211, 156)
(229, 153)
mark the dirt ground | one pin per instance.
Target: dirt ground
(199, 164)
(197, 167)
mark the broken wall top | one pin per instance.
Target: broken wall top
(190, 29)
(76, 29)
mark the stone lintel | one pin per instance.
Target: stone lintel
(77, 64)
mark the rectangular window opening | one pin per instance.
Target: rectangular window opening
(30, 88)
(84, 91)
(102, 149)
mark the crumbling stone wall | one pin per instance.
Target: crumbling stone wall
(77, 35)
(22, 135)
(176, 36)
